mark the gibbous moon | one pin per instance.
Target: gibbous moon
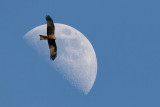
(76, 58)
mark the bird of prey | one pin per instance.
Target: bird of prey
(50, 37)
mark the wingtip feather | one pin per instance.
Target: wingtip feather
(53, 57)
(48, 18)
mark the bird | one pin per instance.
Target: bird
(50, 37)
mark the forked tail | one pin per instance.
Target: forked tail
(43, 37)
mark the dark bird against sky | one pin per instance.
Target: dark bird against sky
(50, 37)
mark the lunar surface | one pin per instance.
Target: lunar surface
(76, 59)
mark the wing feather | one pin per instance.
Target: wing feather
(53, 48)
(50, 25)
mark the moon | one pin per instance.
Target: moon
(76, 59)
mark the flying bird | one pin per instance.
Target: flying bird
(50, 37)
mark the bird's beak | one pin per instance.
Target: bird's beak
(54, 37)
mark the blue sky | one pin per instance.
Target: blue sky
(125, 35)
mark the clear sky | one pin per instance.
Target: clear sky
(124, 33)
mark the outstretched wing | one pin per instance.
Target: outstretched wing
(53, 48)
(50, 25)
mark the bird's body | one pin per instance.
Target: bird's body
(50, 37)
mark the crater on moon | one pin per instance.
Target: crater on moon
(66, 31)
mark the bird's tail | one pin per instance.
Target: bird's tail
(43, 37)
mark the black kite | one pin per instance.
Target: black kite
(50, 37)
